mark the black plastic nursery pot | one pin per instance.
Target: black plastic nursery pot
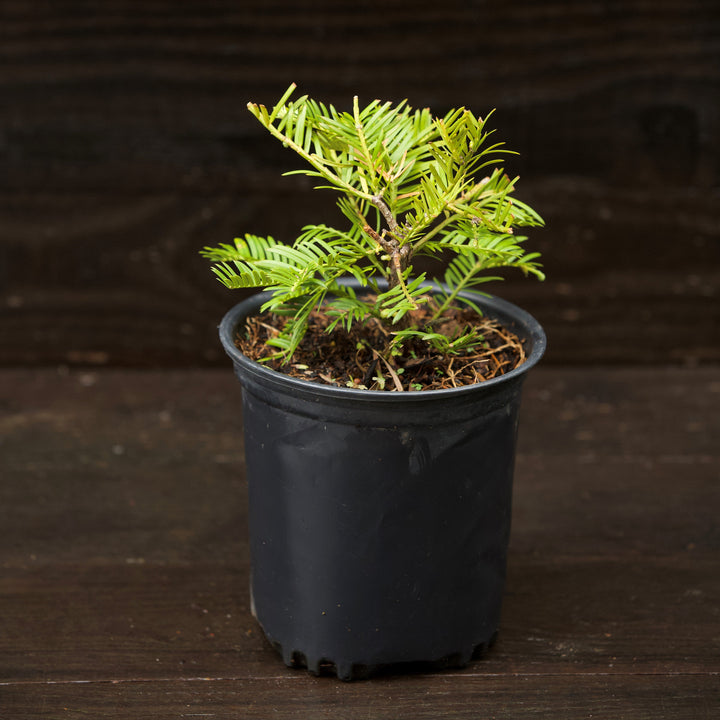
(379, 522)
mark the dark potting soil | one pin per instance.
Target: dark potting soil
(359, 358)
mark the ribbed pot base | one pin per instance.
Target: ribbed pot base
(348, 671)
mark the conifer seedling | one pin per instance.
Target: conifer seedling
(409, 185)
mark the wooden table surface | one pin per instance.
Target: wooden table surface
(124, 557)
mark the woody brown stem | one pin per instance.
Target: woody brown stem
(399, 261)
(399, 255)
(379, 203)
(390, 242)
(379, 239)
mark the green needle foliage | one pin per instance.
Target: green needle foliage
(410, 184)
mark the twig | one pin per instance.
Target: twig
(379, 203)
(393, 374)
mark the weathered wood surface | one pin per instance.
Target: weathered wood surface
(125, 147)
(124, 564)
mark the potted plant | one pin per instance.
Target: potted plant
(380, 409)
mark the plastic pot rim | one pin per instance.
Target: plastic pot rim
(508, 313)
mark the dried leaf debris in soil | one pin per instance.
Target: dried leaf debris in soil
(359, 358)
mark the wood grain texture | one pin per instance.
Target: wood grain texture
(128, 287)
(125, 566)
(594, 696)
(161, 86)
(125, 147)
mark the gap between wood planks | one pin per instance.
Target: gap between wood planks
(303, 675)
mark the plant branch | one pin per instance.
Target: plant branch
(379, 239)
(390, 219)
(363, 144)
(311, 158)
(459, 287)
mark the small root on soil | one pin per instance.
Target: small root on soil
(358, 358)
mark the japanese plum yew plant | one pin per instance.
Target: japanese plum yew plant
(410, 185)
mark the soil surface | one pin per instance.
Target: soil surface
(360, 358)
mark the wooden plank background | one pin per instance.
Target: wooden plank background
(125, 567)
(125, 147)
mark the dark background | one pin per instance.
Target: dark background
(126, 146)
